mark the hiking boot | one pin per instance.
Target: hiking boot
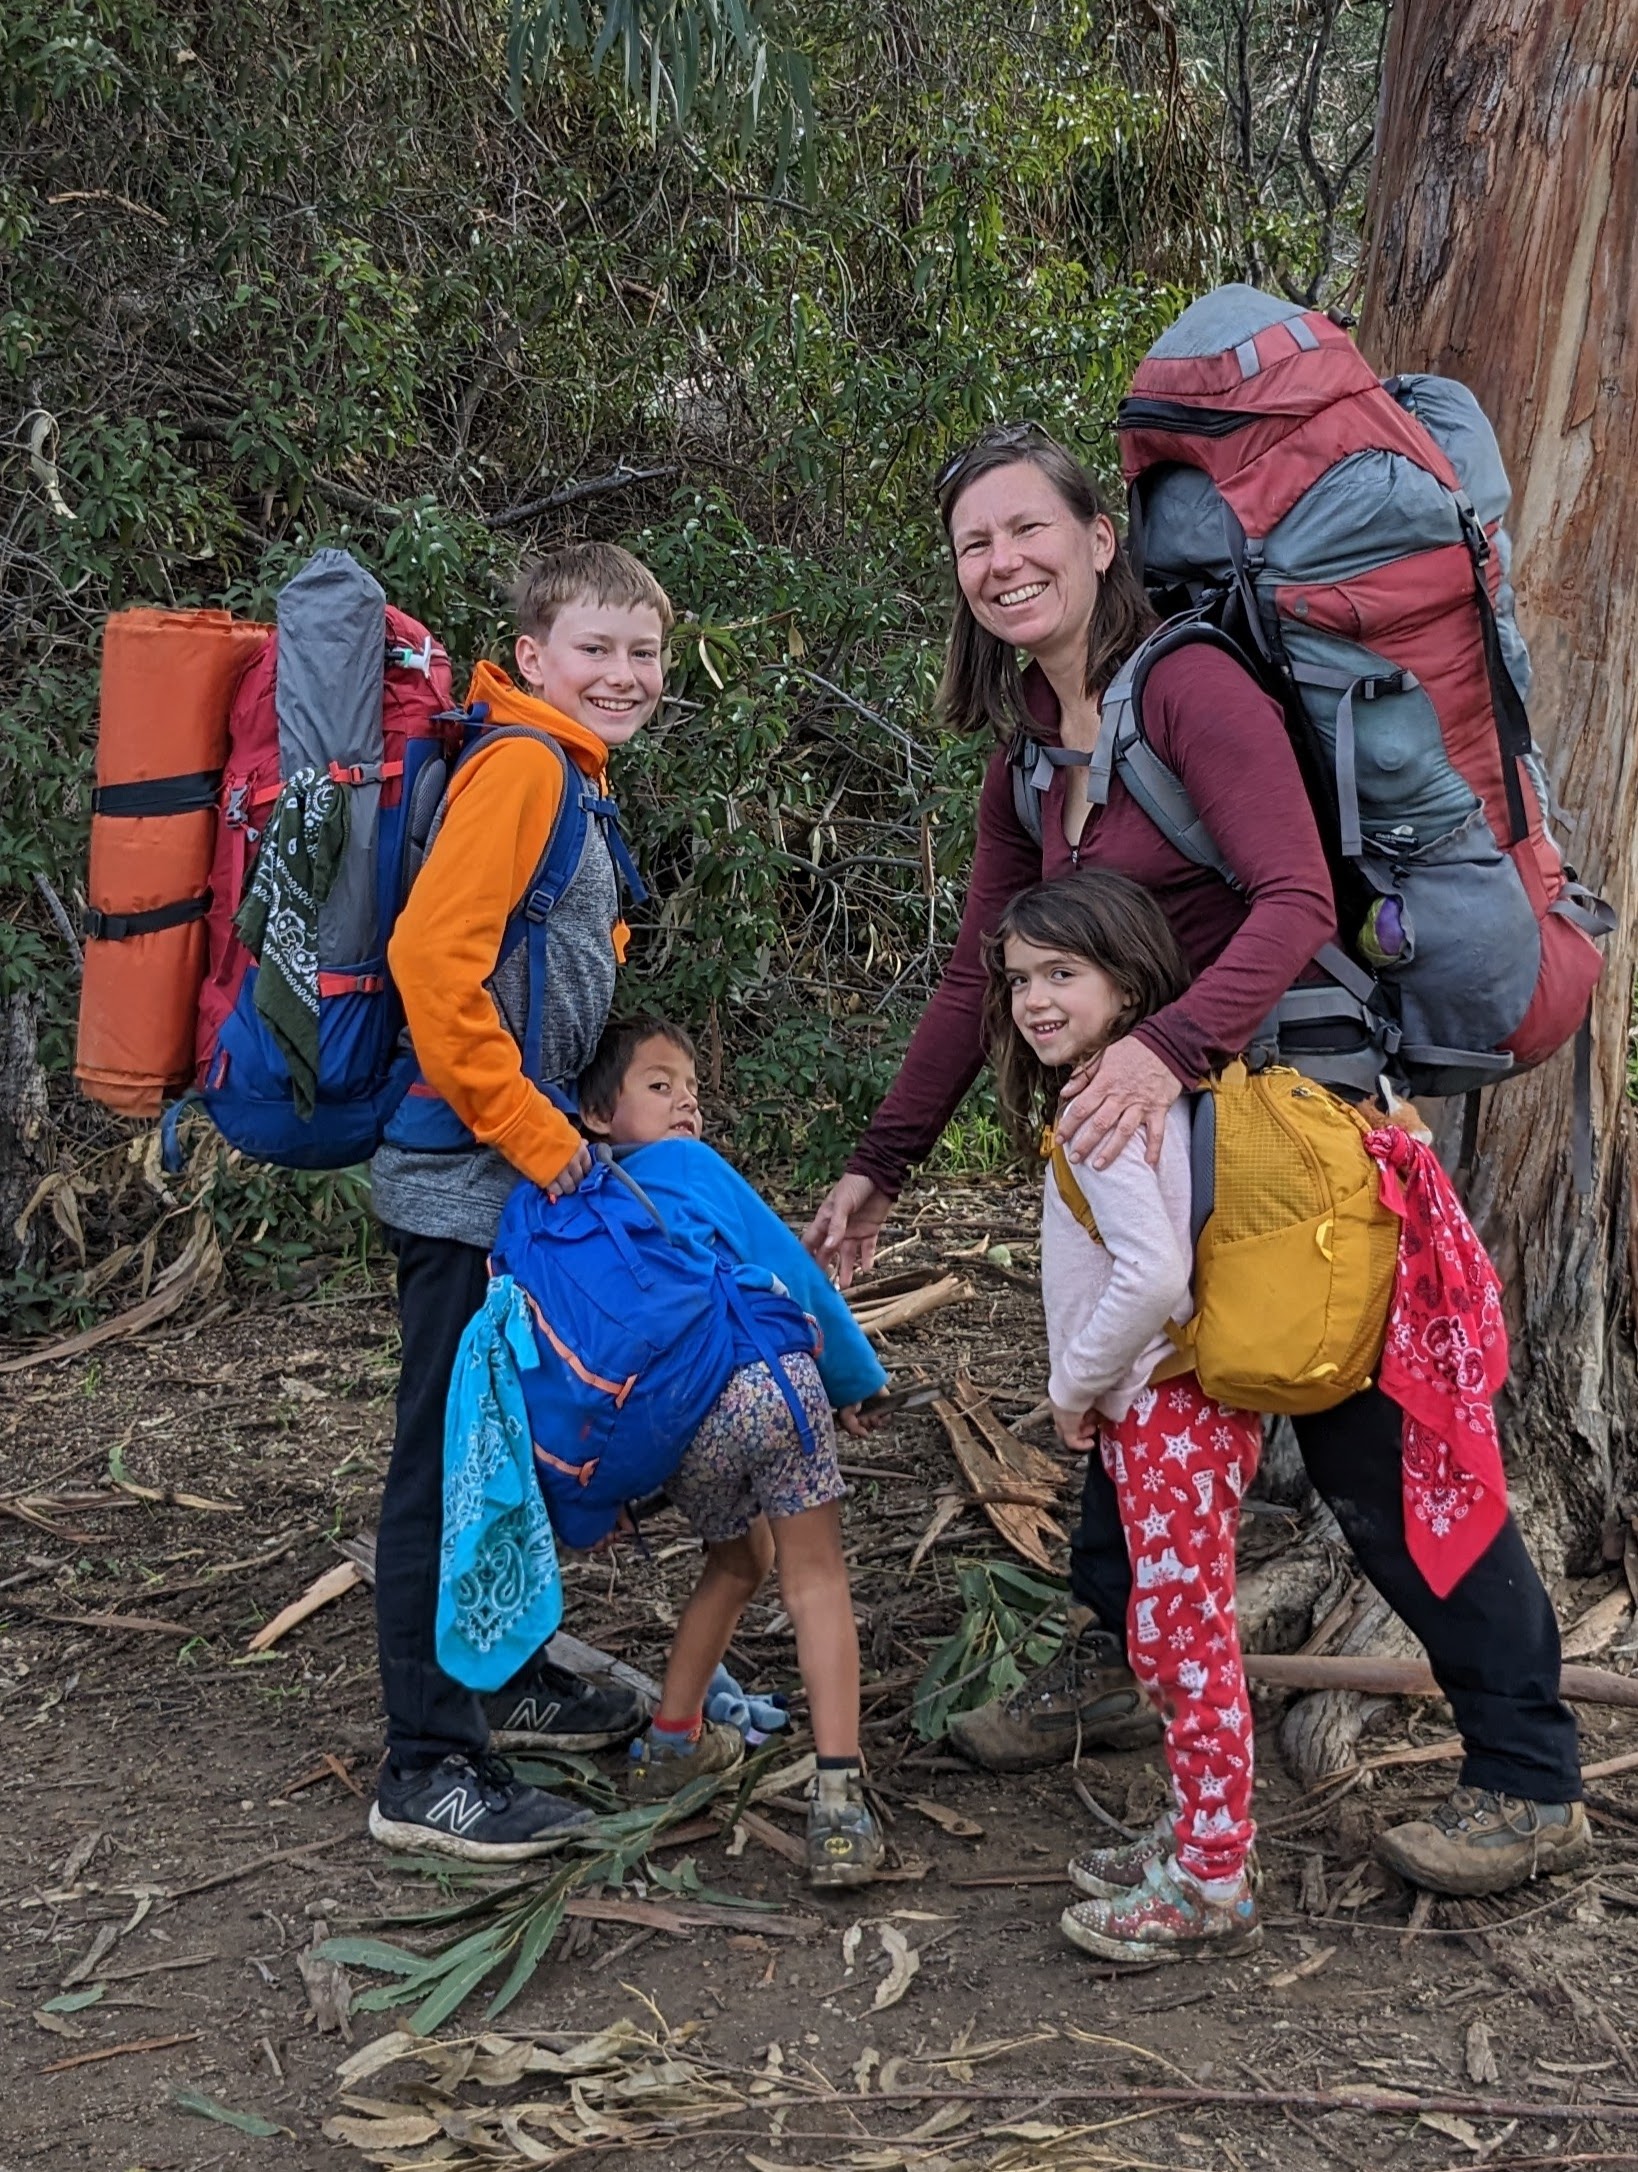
(473, 1808)
(550, 1709)
(1084, 1696)
(1106, 1873)
(1480, 1842)
(1166, 1918)
(656, 1770)
(844, 1841)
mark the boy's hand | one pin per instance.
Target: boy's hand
(573, 1172)
(1077, 1429)
(858, 1420)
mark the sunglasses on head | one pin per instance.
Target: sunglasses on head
(1004, 434)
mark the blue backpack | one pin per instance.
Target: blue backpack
(638, 1332)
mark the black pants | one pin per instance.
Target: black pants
(441, 1284)
(1492, 1643)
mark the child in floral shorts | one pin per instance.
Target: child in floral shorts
(753, 1489)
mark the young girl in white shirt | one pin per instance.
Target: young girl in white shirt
(1073, 966)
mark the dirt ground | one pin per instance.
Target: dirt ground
(178, 1815)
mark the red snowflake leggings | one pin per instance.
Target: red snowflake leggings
(1180, 1463)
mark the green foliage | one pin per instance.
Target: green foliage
(271, 279)
(519, 1922)
(1006, 1626)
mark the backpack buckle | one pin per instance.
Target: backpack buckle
(408, 659)
(1473, 535)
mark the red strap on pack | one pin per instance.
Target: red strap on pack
(340, 984)
(364, 772)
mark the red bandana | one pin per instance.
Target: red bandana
(1444, 1360)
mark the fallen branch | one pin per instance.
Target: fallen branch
(136, 1624)
(591, 1664)
(1012, 1482)
(332, 1585)
(257, 1862)
(677, 1917)
(1413, 1678)
(122, 2051)
(880, 1317)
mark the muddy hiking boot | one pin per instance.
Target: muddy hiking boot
(1166, 1918)
(1479, 1842)
(657, 1770)
(472, 1808)
(1085, 1695)
(550, 1709)
(844, 1842)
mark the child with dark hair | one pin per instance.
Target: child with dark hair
(1072, 967)
(753, 1490)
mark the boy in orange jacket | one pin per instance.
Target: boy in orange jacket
(592, 625)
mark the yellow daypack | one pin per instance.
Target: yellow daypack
(1294, 1251)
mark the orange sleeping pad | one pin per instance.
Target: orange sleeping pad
(168, 679)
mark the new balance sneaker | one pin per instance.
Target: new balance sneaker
(1105, 1873)
(551, 1709)
(1085, 1695)
(471, 1807)
(844, 1841)
(1166, 1918)
(658, 1769)
(1480, 1842)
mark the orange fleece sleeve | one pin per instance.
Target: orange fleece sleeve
(446, 944)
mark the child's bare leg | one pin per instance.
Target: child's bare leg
(813, 1583)
(733, 1573)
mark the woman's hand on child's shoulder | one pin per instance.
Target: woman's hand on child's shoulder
(1077, 1429)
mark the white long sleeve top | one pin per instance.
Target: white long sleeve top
(1108, 1299)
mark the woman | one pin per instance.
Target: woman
(1040, 570)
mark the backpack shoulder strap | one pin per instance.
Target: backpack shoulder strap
(1031, 775)
(553, 871)
(1124, 750)
(1063, 1176)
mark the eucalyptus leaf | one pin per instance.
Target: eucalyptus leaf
(532, 1947)
(453, 1990)
(203, 2107)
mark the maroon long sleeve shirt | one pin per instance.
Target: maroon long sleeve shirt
(1224, 738)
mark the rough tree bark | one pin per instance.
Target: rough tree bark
(1504, 252)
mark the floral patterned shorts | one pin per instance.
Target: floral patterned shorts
(747, 1459)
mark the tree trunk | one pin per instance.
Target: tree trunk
(1504, 252)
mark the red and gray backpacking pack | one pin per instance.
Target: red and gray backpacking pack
(356, 694)
(1345, 537)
